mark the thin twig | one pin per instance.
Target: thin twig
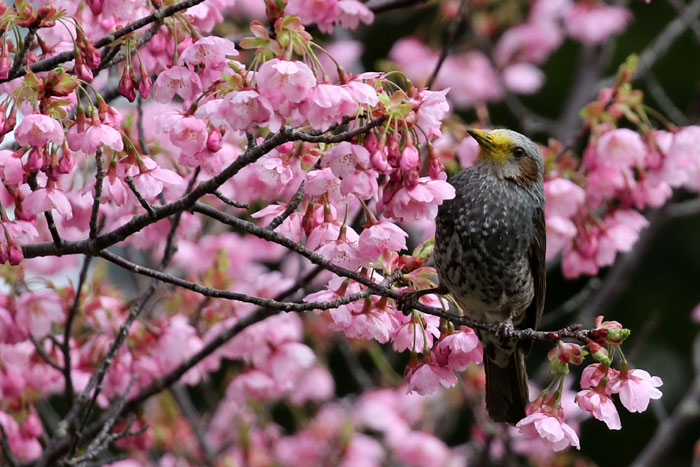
(293, 205)
(229, 201)
(22, 54)
(142, 201)
(44, 356)
(51, 223)
(72, 313)
(227, 294)
(448, 39)
(99, 180)
(188, 410)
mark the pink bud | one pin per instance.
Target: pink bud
(435, 167)
(31, 428)
(66, 163)
(3, 253)
(145, 83)
(95, 6)
(81, 70)
(126, 84)
(35, 161)
(285, 148)
(214, 141)
(410, 158)
(5, 63)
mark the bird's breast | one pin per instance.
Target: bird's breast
(482, 240)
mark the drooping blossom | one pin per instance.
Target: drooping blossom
(284, 81)
(635, 388)
(38, 129)
(176, 80)
(37, 311)
(600, 405)
(549, 428)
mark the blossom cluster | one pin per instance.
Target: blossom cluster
(476, 78)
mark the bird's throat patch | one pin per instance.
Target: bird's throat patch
(498, 149)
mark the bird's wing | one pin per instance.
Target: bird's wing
(538, 270)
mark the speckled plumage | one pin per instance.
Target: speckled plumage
(489, 253)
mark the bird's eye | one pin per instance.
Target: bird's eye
(518, 152)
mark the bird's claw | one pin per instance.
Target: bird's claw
(407, 300)
(505, 331)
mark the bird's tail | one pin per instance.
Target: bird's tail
(506, 386)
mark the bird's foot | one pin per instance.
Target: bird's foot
(505, 331)
(407, 301)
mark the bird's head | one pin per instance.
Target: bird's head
(513, 156)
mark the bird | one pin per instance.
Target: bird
(490, 256)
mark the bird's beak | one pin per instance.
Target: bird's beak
(483, 138)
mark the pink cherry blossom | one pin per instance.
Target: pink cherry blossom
(151, 179)
(323, 14)
(210, 51)
(457, 350)
(12, 168)
(682, 164)
(327, 104)
(528, 42)
(379, 237)
(620, 148)
(427, 377)
(176, 80)
(551, 429)
(471, 78)
(523, 78)
(620, 232)
(593, 23)
(47, 198)
(37, 311)
(636, 388)
(352, 12)
(419, 202)
(432, 107)
(39, 129)
(362, 93)
(421, 449)
(600, 405)
(284, 81)
(94, 136)
(345, 158)
(189, 134)
(242, 109)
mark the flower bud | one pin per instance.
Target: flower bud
(126, 84)
(214, 141)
